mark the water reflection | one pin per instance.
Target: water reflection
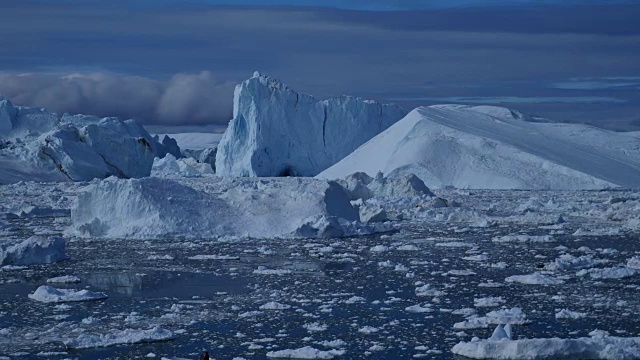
(161, 284)
(121, 283)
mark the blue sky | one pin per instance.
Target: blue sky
(172, 62)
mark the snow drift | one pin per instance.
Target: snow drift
(37, 145)
(496, 148)
(266, 208)
(277, 132)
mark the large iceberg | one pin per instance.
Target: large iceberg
(37, 145)
(276, 131)
(267, 208)
(496, 148)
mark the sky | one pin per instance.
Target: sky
(170, 62)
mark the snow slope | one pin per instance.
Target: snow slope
(495, 148)
(277, 132)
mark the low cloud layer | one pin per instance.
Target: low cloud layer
(195, 98)
(528, 56)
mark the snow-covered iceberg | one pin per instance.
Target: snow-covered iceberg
(37, 145)
(213, 207)
(495, 148)
(276, 131)
(37, 249)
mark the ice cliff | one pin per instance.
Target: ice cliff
(276, 131)
(37, 145)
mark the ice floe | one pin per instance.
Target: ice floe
(49, 294)
(119, 337)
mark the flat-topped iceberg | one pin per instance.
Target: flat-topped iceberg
(276, 131)
(266, 208)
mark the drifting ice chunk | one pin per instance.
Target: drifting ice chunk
(608, 273)
(35, 250)
(570, 262)
(49, 294)
(534, 279)
(597, 347)
(306, 352)
(266, 208)
(523, 238)
(568, 314)
(277, 132)
(634, 263)
(128, 336)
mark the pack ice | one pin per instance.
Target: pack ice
(276, 131)
(266, 208)
(37, 145)
(496, 148)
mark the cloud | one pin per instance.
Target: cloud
(515, 51)
(186, 98)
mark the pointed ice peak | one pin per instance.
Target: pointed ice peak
(256, 74)
(501, 332)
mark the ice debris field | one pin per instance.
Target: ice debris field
(451, 232)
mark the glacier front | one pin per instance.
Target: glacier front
(276, 131)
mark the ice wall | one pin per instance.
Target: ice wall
(276, 131)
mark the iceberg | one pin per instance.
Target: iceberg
(170, 167)
(150, 208)
(37, 145)
(119, 337)
(276, 131)
(37, 249)
(50, 294)
(501, 346)
(496, 148)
